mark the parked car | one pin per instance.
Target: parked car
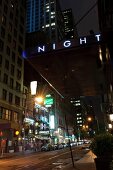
(44, 148)
(60, 146)
(47, 147)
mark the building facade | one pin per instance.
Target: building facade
(68, 24)
(12, 31)
(45, 15)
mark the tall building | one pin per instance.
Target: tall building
(68, 23)
(105, 10)
(12, 31)
(45, 15)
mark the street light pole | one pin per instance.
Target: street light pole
(69, 141)
(98, 129)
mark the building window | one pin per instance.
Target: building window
(7, 115)
(3, 20)
(4, 94)
(7, 64)
(2, 32)
(5, 9)
(18, 86)
(10, 97)
(11, 15)
(20, 39)
(8, 51)
(21, 29)
(20, 50)
(19, 62)
(1, 112)
(5, 78)
(9, 37)
(14, 44)
(17, 100)
(22, 20)
(11, 82)
(15, 33)
(16, 22)
(0, 59)
(12, 69)
(13, 57)
(10, 27)
(1, 45)
(18, 74)
(15, 116)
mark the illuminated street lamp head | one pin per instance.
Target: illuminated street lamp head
(39, 99)
(89, 119)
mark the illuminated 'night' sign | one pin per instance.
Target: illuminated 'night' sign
(68, 43)
(65, 44)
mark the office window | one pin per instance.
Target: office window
(4, 94)
(11, 15)
(21, 29)
(10, 97)
(18, 86)
(18, 74)
(19, 62)
(1, 45)
(7, 115)
(20, 50)
(5, 9)
(11, 82)
(3, 20)
(17, 100)
(0, 59)
(10, 27)
(5, 78)
(12, 69)
(7, 64)
(2, 32)
(13, 57)
(9, 38)
(15, 33)
(20, 39)
(16, 22)
(15, 116)
(1, 112)
(14, 44)
(8, 51)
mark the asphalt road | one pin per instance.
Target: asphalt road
(50, 160)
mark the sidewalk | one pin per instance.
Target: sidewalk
(14, 154)
(85, 163)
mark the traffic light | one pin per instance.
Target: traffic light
(16, 133)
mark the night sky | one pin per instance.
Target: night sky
(80, 7)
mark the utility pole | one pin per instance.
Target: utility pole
(69, 141)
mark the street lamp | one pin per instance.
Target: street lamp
(39, 99)
(89, 119)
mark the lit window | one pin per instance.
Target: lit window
(47, 25)
(52, 13)
(52, 24)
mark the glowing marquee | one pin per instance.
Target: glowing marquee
(68, 43)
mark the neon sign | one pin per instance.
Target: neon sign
(65, 44)
(68, 43)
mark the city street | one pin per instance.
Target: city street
(42, 160)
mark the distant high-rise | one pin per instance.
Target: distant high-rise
(45, 15)
(68, 23)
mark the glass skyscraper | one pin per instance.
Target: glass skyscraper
(45, 15)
